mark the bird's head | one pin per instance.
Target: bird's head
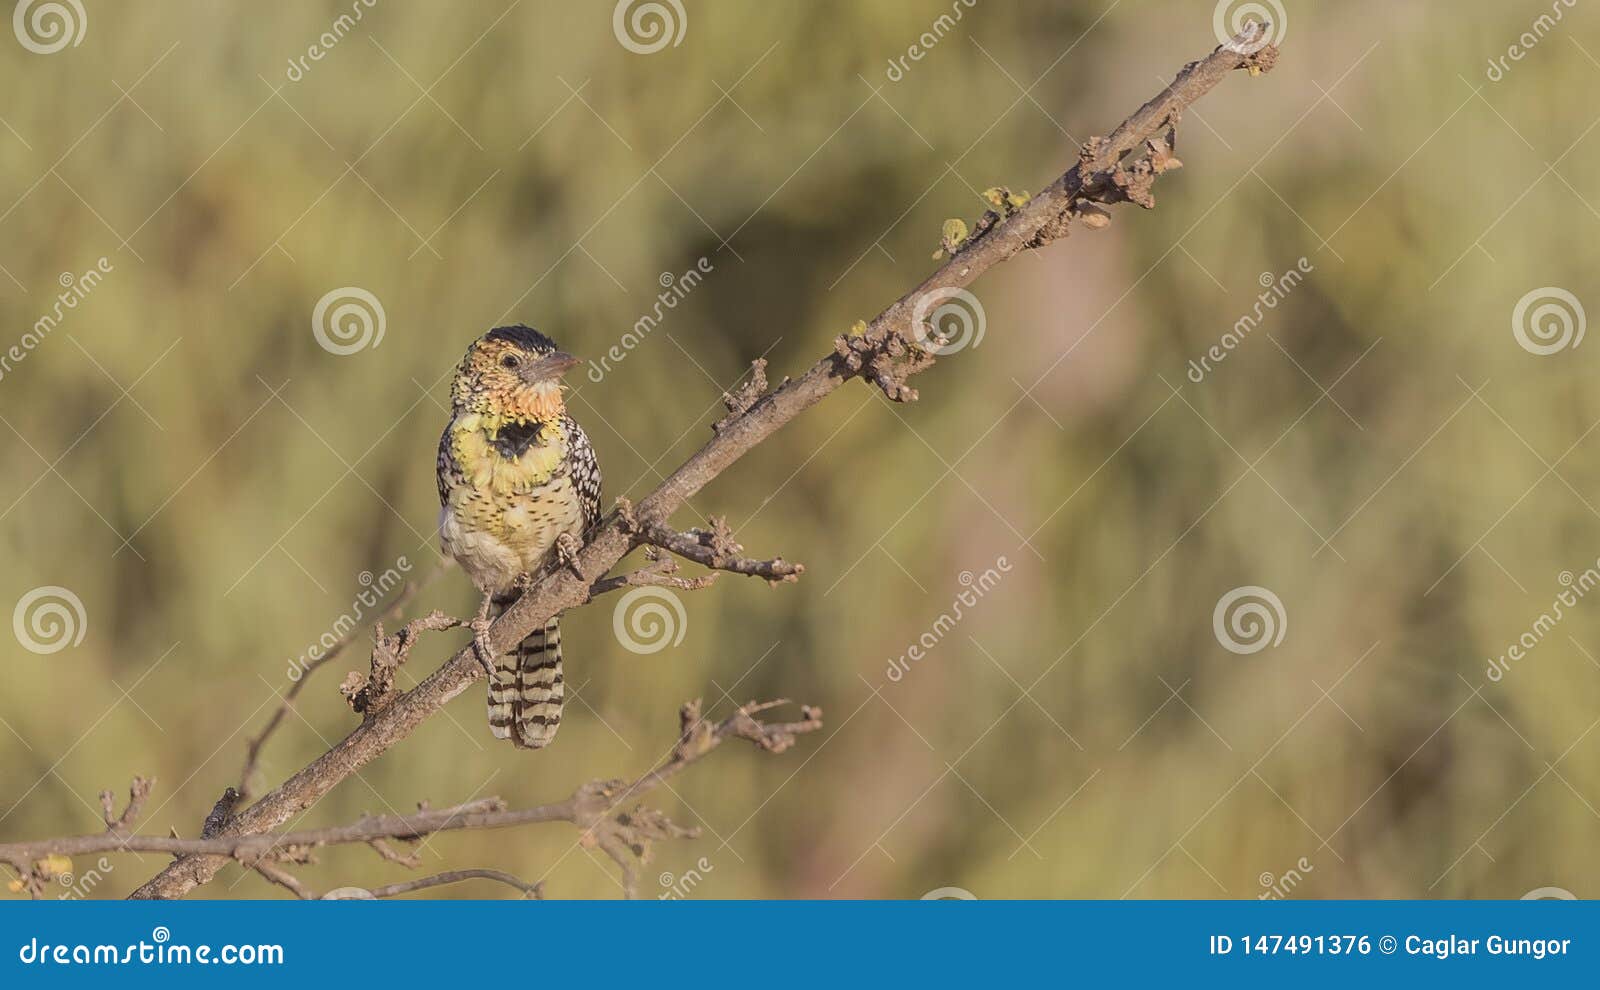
(513, 373)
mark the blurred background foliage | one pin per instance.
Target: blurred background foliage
(211, 483)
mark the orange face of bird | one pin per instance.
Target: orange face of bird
(513, 373)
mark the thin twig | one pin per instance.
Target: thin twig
(716, 548)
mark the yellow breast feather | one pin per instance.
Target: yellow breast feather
(487, 471)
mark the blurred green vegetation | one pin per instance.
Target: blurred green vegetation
(211, 483)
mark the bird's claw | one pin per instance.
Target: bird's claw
(567, 547)
(481, 647)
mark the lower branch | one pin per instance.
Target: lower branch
(606, 811)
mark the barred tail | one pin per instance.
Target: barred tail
(526, 692)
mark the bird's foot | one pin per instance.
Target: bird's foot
(481, 646)
(567, 547)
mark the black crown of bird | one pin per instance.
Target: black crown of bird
(519, 489)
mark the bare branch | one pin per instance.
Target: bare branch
(394, 855)
(716, 548)
(530, 891)
(606, 811)
(138, 791)
(884, 353)
(285, 879)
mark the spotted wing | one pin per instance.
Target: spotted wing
(584, 469)
(447, 473)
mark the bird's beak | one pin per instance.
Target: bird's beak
(548, 368)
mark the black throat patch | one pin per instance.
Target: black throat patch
(514, 439)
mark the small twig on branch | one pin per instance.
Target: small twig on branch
(394, 855)
(883, 352)
(283, 878)
(717, 549)
(138, 791)
(367, 696)
(739, 400)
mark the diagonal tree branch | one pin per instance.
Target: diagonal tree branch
(884, 351)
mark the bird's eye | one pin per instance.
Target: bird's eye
(509, 361)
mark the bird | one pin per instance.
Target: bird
(519, 491)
